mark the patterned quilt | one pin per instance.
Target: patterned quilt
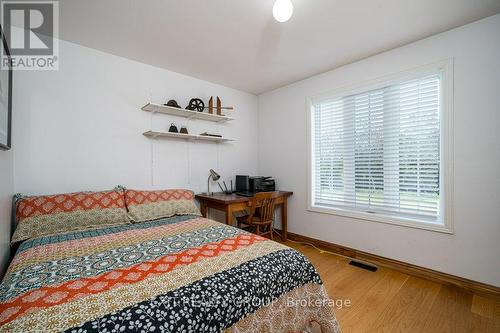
(180, 274)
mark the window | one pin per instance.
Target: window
(377, 152)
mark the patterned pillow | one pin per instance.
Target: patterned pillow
(150, 205)
(51, 214)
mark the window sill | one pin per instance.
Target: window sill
(380, 218)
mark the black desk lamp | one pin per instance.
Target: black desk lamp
(215, 176)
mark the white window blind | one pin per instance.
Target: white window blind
(379, 151)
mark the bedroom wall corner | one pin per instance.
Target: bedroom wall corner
(6, 191)
(80, 127)
(472, 251)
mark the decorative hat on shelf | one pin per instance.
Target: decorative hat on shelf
(173, 103)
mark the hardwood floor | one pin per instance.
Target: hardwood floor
(390, 301)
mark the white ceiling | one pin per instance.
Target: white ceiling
(238, 44)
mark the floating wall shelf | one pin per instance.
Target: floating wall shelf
(153, 134)
(158, 108)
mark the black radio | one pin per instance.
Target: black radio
(265, 184)
(261, 184)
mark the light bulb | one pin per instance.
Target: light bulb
(282, 10)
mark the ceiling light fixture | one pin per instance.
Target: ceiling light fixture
(282, 10)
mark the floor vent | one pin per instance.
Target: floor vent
(363, 265)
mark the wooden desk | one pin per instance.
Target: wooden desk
(230, 203)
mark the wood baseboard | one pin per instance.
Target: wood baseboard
(426, 273)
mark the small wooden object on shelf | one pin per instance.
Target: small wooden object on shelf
(219, 106)
(157, 108)
(211, 105)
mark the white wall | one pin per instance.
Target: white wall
(6, 191)
(473, 251)
(81, 127)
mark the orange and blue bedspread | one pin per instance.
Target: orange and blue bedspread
(180, 274)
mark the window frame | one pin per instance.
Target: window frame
(445, 69)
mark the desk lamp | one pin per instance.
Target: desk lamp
(215, 176)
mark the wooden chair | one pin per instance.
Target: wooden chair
(260, 213)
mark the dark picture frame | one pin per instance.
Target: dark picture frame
(6, 142)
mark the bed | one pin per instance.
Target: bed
(182, 273)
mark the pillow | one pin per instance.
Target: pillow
(51, 214)
(150, 205)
